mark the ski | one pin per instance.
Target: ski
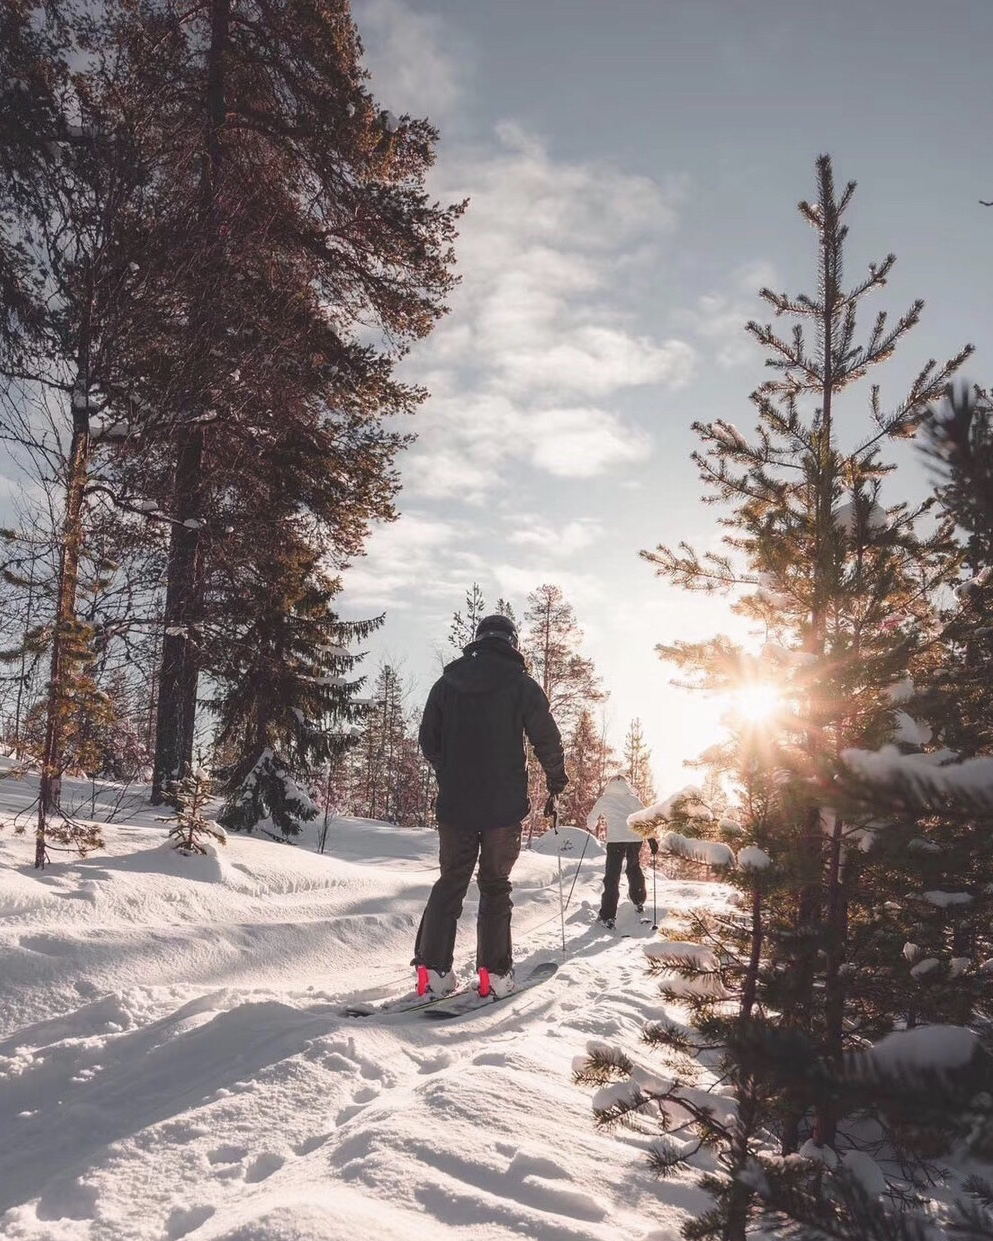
(461, 1003)
(405, 1004)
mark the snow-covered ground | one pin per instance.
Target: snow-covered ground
(174, 1062)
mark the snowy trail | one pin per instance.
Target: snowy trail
(174, 1063)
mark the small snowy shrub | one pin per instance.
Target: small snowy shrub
(192, 831)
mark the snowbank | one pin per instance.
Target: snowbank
(572, 843)
(174, 1061)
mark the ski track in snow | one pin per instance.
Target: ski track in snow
(174, 1063)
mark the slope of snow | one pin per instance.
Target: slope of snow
(174, 1062)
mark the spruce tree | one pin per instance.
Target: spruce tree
(287, 693)
(958, 443)
(382, 768)
(842, 586)
(192, 831)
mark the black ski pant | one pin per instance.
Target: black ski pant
(617, 855)
(496, 849)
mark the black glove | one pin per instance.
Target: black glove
(653, 844)
(551, 805)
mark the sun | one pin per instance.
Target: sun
(758, 702)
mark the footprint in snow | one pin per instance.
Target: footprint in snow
(308, 1145)
(359, 1100)
(434, 1064)
(338, 1063)
(227, 1154)
(497, 1059)
(183, 1220)
(67, 1199)
(46, 945)
(263, 1166)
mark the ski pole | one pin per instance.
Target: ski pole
(655, 891)
(558, 856)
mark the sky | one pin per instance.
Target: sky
(633, 170)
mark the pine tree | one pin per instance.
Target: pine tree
(959, 446)
(463, 627)
(842, 586)
(381, 774)
(931, 819)
(551, 646)
(638, 763)
(300, 303)
(192, 832)
(506, 609)
(582, 762)
(606, 759)
(68, 222)
(286, 690)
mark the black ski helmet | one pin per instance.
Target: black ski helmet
(498, 626)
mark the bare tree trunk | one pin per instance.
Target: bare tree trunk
(185, 579)
(153, 696)
(24, 664)
(176, 709)
(750, 988)
(65, 616)
(834, 994)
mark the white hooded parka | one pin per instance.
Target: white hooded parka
(615, 803)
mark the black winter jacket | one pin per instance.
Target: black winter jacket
(472, 734)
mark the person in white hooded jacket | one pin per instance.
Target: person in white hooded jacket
(616, 802)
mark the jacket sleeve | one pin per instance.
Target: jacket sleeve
(594, 815)
(543, 733)
(429, 736)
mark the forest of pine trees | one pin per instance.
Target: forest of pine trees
(215, 248)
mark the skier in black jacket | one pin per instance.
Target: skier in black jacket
(475, 721)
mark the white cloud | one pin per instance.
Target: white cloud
(411, 69)
(472, 438)
(720, 317)
(516, 580)
(542, 334)
(539, 339)
(438, 475)
(414, 556)
(580, 443)
(565, 541)
(596, 360)
(537, 253)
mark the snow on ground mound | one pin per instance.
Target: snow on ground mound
(174, 1062)
(571, 842)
